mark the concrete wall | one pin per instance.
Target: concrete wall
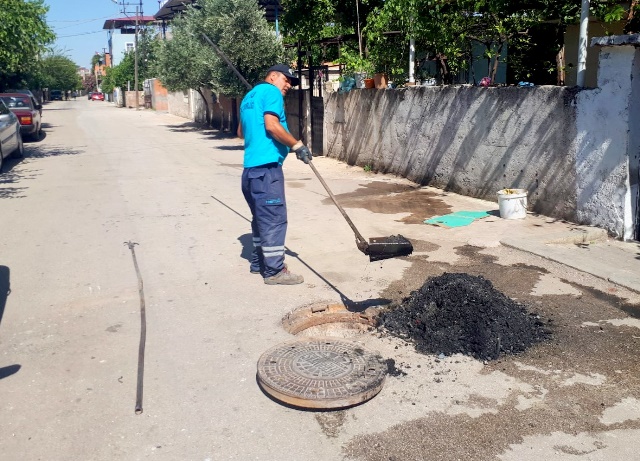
(178, 104)
(158, 95)
(130, 99)
(474, 141)
(575, 150)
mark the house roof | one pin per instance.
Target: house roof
(172, 7)
(127, 21)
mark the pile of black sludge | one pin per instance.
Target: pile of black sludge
(462, 313)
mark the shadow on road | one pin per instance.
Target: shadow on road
(189, 127)
(9, 370)
(31, 151)
(5, 288)
(49, 151)
(353, 306)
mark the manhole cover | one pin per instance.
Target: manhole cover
(321, 373)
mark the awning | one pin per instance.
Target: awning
(127, 21)
(172, 7)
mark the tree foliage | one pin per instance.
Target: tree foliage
(24, 36)
(123, 75)
(448, 31)
(240, 30)
(60, 73)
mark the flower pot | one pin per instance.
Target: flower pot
(380, 80)
(369, 83)
(359, 78)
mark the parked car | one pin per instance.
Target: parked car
(27, 110)
(10, 137)
(56, 94)
(25, 91)
(96, 96)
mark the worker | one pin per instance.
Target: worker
(267, 141)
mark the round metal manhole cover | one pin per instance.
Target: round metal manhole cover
(321, 373)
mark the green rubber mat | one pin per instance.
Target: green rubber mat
(457, 219)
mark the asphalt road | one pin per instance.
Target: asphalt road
(70, 321)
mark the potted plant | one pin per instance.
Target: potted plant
(425, 77)
(356, 66)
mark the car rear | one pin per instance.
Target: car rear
(28, 114)
(56, 94)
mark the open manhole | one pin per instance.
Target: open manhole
(329, 319)
(326, 373)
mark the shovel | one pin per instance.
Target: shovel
(377, 248)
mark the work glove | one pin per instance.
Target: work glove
(302, 152)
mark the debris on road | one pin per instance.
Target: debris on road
(462, 313)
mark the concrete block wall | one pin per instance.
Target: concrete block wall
(470, 140)
(178, 104)
(130, 99)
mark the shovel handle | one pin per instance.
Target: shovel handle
(362, 243)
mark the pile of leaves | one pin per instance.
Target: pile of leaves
(462, 313)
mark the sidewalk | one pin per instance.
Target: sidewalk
(587, 249)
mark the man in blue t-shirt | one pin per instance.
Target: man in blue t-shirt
(263, 125)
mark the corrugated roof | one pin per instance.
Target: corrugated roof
(172, 7)
(127, 21)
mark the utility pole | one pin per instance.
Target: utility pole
(124, 4)
(135, 50)
(582, 43)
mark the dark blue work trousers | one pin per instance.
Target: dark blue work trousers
(263, 189)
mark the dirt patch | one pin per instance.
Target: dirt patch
(462, 313)
(382, 197)
(589, 365)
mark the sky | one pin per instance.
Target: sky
(78, 24)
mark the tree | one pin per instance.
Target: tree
(240, 30)
(24, 36)
(59, 72)
(123, 75)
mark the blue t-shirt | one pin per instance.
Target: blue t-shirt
(260, 147)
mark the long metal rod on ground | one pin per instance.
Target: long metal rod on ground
(143, 330)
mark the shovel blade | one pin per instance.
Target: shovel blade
(388, 247)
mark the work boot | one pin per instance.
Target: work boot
(284, 277)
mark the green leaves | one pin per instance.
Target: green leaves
(59, 72)
(240, 30)
(24, 36)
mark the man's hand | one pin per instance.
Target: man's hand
(302, 152)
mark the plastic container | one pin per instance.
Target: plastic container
(512, 203)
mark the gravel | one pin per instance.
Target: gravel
(461, 313)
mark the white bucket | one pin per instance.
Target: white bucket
(512, 203)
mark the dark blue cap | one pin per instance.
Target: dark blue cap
(287, 71)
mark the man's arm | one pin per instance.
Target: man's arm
(274, 128)
(239, 131)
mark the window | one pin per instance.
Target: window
(129, 46)
(3, 110)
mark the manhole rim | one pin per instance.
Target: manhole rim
(324, 402)
(326, 313)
